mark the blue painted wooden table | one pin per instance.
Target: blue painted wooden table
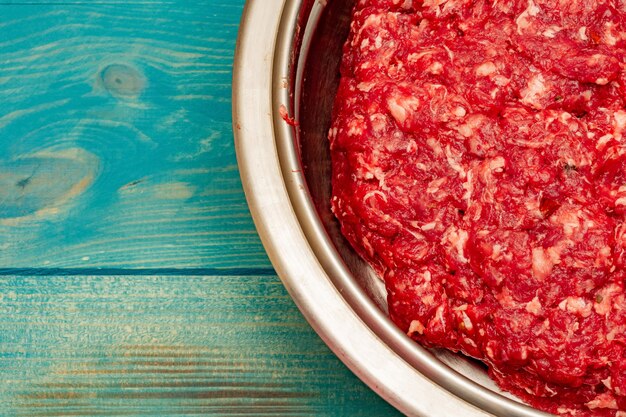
(132, 281)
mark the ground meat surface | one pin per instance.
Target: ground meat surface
(479, 165)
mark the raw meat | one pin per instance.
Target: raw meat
(479, 165)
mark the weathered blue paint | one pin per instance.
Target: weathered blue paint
(117, 146)
(132, 281)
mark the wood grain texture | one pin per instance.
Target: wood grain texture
(174, 345)
(116, 139)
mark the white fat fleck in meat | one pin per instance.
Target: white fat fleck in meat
(501, 81)
(449, 52)
(522, 20)
(619, 123)
(429, 226)
(372, 194)
(453, 4)
(524, 352)
(533, 92)
(602, 81)
(569, 220)
(603, 140)
(466, 321)
(402, 107)
(378, 42)
(373, 20)
(552, 31)
(486, 69)
(435, 146)
(565, 117)
(605, 400)
(367, 245)
(620, 235)
(533, 205)
(550, 390)
(608, 37)
(497, 163)
(604, 257)
(356, 125)
(604, 297)
(411, 146)
(372, 170)
(434, 185)
(497, 252)
(471, 125)
(415, 327)
(416, 235)
(397, 111)
(415, 56)
(459, 111)
(435, 68)
(489, 352)
(534, 306)
(576, 305)
(438, 318)
(456, 239)
(582, 33)
(406, 4)
(565, 411)
(454, 164)
(433, 3)
(379, 122)
(468, 341)
(542, 263)
(366, 86)
(607, 383)
(617, 330)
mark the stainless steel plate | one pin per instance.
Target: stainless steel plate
(287, 57)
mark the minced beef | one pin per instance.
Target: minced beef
(479, 165)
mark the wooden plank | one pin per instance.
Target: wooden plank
(174, 345)
(117, 143)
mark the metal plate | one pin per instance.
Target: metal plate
(287, 55)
